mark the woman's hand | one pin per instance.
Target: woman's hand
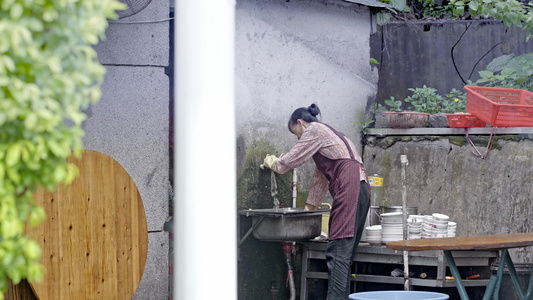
(271, 162)
(309, 207)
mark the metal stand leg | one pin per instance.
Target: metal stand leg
(493, 288)
(490, 287)
(529, 293)
(455, 272)
(514, 276)
(305, 265)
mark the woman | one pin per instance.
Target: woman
(339, 168)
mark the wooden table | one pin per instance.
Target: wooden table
(95, 237)
(501, 242)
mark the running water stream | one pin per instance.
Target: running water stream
(274, 189)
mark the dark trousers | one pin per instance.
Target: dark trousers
(339, 252)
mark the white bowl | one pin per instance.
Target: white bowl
(373, 228)
(393, 225)
(392, 235)
(384, 241)
(373, 236)
(374, 241)
(417, 217)
(393, 216)
(427, 226)
(438, 221)
(438, 226)
(392, 232)
(440, 217)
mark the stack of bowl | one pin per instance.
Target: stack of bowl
(373, 234)
(452, 226)
(414, 227)
(391, 227)
(435, 226)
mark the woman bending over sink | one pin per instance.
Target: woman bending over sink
(339, 169)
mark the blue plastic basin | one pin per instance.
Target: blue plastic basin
(398, 295)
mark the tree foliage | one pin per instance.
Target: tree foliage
(49, 73)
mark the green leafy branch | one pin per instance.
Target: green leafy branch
(49, 73)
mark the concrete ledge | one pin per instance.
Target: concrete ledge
(449, 131)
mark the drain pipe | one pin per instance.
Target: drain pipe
(287, 250)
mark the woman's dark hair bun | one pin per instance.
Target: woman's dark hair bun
(314, 110)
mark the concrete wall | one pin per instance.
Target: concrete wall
(131, 124)
(291, 54)
(484, 196)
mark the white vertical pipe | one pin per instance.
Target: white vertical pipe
(407, 282)
(294, 188)
(205, 168)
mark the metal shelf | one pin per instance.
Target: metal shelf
(368, 254)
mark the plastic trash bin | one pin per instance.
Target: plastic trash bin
(398, 295)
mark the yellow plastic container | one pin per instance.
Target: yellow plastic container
(325, 219)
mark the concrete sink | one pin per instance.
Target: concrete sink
(284, 224)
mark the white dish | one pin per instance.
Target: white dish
(440, 217)
(373, 228)
(373, 235)
(391, 240)
(391, 214)
(435, 221)
(438, 226)
(398, 225)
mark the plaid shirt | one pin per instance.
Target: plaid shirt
(317, 137)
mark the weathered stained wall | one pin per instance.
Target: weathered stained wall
(484, 196)
(440, 54)
(294, 53)
(291, 54)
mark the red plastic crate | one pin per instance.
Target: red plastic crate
(500, 106)
(464, 121)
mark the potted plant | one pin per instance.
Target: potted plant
(427, 106)
(398, 118)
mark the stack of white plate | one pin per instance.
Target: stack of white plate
(452, 226)
(414, 227)
(373, 234)
(391, 227)
(435, 226)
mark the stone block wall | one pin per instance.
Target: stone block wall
(131, 124)
(484, 196)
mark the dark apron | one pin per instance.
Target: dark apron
(344, 184)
